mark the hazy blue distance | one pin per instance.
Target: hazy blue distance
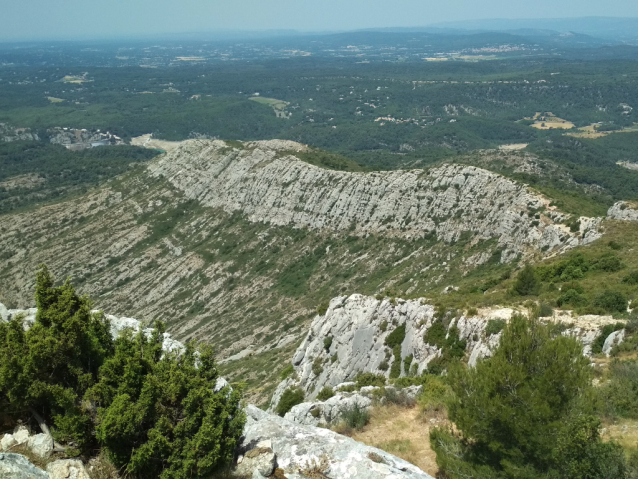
(75, 19)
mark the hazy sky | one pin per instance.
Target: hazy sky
(54, 19)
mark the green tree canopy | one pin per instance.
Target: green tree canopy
(49, 367)
(156, 413)
(526, 412)
(527, 283)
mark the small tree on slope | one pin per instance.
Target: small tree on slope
(526, 413)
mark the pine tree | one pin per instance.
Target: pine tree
(527, 284)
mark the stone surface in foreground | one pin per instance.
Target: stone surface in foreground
(301, 450)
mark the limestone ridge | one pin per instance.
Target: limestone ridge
(358, 326)
(266, 182)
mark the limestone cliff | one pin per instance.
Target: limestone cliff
(352, 338)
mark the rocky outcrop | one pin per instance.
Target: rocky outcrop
(18, 438)
(16, 466)
(326, 412)
(67, 469)
(78, 139)
(614, 339)
(623, 210)
(266, 182)
(358, 326)
(10, 133)
(330, 411)
(304, 451)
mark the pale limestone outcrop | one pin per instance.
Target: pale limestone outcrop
(16, 466)
(623, 210)
(299, 447)
(612, 340)
(268, 184)
(67, 469)
(330, 411)
(358, 326)
(41, 445)
(326, 412)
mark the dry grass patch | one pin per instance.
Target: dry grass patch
(622, 431)
(404, 432)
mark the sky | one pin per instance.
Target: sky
(87, 19)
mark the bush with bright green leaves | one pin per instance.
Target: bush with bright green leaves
(154, 413)
(290, 398)
(526, 412)
(158, 414)
(49, 368)
(571, 297)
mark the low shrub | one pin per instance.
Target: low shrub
(611, 301)
(494, 326)
(436, 366)
(322, 308)
(369, 379)
(609, 263)
(619, 396)
(355, 417)
(435, 396)
(398, 397)
(290, 398)
(571, 297)
(631, 278)
(545, 310)
(326, 393)
(317, 366)
(327, 342)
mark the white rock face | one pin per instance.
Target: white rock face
(67, 469)
(612, 340)
(7, 442)
(41, 445)
(359, 326)
(257, 462)
(298, 447)
(623, 210)
(16, 466)
(268, 184)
